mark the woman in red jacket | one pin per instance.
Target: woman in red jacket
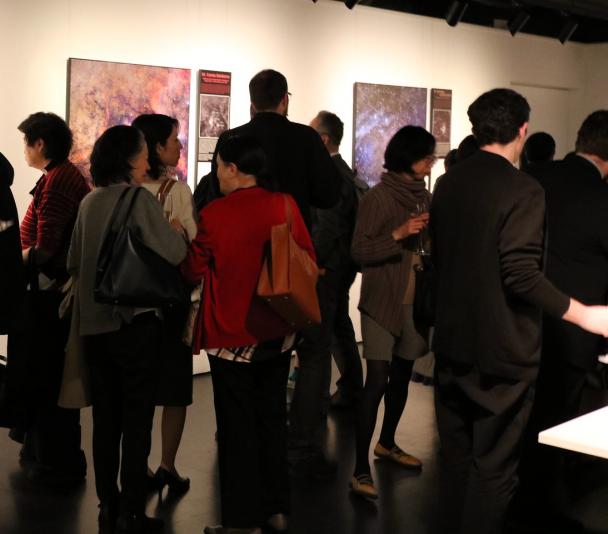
(247, 341)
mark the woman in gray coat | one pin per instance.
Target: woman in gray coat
(121, 342)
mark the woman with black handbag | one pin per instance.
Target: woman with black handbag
(175, 387)
(121, 341)
(388, 243)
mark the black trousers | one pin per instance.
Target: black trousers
(308, 413)
(543, 469)
(124, 374)
(36, 351)
(251, 420)
(481, 420)
(343, 343)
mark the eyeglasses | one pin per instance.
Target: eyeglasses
(432, 159)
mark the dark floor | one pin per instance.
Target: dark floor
(406, 503)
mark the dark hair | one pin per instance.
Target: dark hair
(406, 147)
(112, 153)
(266, 89)
(53, 130)
(498, 115)
(538, 148)
(467, 147)
(593, 135)
(156, 129)
(331, 125)
(450, 159)
(249, 157)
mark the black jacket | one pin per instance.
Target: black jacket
(11, 264)
(577, 252)
(297, 160)
(332, 229)
(486, 223)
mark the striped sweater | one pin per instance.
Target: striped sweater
(50, 217)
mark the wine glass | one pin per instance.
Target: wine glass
(418, 210)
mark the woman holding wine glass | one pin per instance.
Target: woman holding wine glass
(388, 241)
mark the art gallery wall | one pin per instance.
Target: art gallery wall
(323, 49)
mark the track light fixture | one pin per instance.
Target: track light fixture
(350, 3)
(517, 22)
(455, 12)
(569, 27)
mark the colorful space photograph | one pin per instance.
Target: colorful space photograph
(381, 110)
(104, 94)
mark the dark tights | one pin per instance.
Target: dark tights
(390, 379)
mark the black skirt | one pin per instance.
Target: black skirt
(175, 368)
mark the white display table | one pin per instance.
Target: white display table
(587, 434)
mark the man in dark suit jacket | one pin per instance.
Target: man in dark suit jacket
(486, 222)
(332, 232)
(301, 166)
(577, 264)
(297, 159)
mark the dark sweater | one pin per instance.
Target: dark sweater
(577, 250)
(487, 221)
(12, 282)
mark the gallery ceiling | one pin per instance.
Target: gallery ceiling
(583, 21)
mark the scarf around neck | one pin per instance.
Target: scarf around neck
(406, 190)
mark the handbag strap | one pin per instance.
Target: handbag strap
(288, 212)
(117, 220)
(163, 192)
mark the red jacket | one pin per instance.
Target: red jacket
(228, 253)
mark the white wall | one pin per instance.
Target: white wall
(322, 48)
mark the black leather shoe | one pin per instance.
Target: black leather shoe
(341, 400)
(138, 524)
(108, 514)
(177, 485)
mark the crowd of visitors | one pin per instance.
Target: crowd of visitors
(514, 242)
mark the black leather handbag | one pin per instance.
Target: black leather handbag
(128, 272)
(424, 294)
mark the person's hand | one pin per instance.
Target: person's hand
(594, 319)
(414, 225)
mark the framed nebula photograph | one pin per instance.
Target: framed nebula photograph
(379, 111)
(103, 94)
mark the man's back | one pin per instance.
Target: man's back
(297, 159)
(577, 249)
(487, 223)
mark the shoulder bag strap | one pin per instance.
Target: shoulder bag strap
(118, 219)
(163, 192)
(288, 213)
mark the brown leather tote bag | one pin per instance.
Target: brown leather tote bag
(288, 281)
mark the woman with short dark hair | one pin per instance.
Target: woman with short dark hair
(387, 242)
(121, 342)
(175, 387)
(247, 342)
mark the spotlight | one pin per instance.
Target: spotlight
(455, 12)
(350, 3)
(517, 23)
(567, 30)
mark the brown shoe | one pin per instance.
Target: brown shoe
(398, 456)
(363, 485)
